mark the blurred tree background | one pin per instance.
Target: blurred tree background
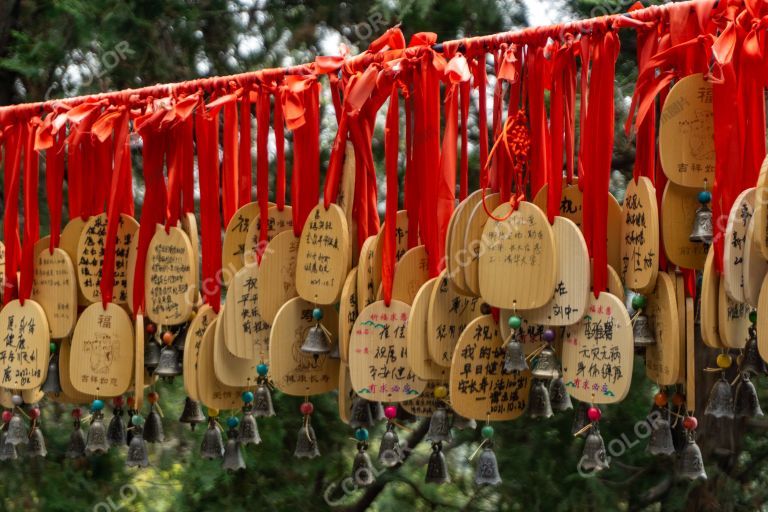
(57, 48)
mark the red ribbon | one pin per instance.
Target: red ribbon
(538, 77)
(54, 177)
(262, 165)
(206, 135)
(31, 217)
(391, 145)
(14, 139)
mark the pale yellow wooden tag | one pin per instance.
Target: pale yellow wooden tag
(517, 258)
(411, 271)
(640, 236)
(479, 388)
(54, 288)
(101, 361)
(755, 266)
(32, 396)
(732, 320)
(598, 352)
(230, 370)
(473, 241)
(246, 333)
(130, 271)
(614, 232)
(366, 291)
(90, 257)
(68, 392)
(710, 287)
(278, 222)
(762, 325)
(568, 301)
(690, 363)
(25, 346)
(233, 245)
(378, 354)
(346, 393)
(677, 278)
(401, 245)
(324, 255)
(760, 217)
(277, 274)
(615, 286)
(6, 398)
(189, 225)
(138, 355)
(348, 309)
(424, 405)
(169, 276)
(456, 254)
(212, 392)
(448, 314)
(686, 133)
(70, 237)
(346, 198)
(678, 210)
(295, 372)
(205, 316)
(529, 334)
(662, 360)
(417, 338)
(735, 242)
(42, 243)
(571, 202)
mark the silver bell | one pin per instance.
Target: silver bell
(487, 468)
(643, 331)
(17, 431)
(192, 414)
(538, 402)
(36, 446)
(751, 361)
(514, 358)
(262, 402)
(439, 426)
(702, 226)
(52, 382)
(97, 436)
(306, 443)
(151, 355)
(317, 341)
(76, 446)
(594, 457)
(546, 365)
(437, 469)
(660, 442)
(559, 399)
(377, 411)
(7, 450)
(137, 450)
(360, 415)
(690, 465)
(153, 427)
(720, 401)
(747, 405)
(390, 453)
(362, 468)
(580, 418)
(249, 430)
(212, 446)
(168, 364)
(117, 433)
(233, 456)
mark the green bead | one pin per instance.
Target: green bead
(638, 302)
(361, 434)
(247, 397)
(487, 432)
(753, 317)
(54, 347)
(233, 422)
(514, 322)
(317, 314)
(262, 369)
(137, 419)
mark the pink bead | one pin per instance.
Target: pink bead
(593, 413)
(34, 413)
(307, 408)
(690, 423)
(390, 412)
(7, 415)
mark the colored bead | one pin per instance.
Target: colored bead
(167, 337)
(150, 328)
(76, 413)
(153, 397)
(514, 322)
(54, 347)
(131, 401)
(233, 422)
(594, 414)
(137, 419)
(34, 413)
(118, 402)
(97, 405)
(638, 302)
(724, 361)
(307, 408)
(753, 317)
(17, 400)
(705, 196)
(390, 412)
(660, 399)
(262, 369)
(487, 432)
(361, 434)
(690, 423)
(247, 397)
(317, 314)
(441, 392)
(213, 413)
(548, 335)
(7, 415)
(678, 399)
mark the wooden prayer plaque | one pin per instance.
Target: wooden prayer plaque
(138, 368)
(571, 202)
(615, 286)
(678, 206)
(732, 320)
(640, 236)
(169, 275)
(710, 289)
(205, 317)
(55, 288)
(347, 313)
(734, 244)
(69, 394)
(213, 393)
(233, 245)
(346, 198)
(346, 393)
(230, 370)
(677, 278)
(662, 360)
(690, 363)
(448, 314)
(457, 255)
(411, 271)
(68, 241)
(417, 338)
(189, 225)
(760, 216)
(25, 347)
(366, 291)
(278, 222)
(473, 244)
(614, 232)
(762, 325)
(130, 271)
(755, 266)
(246, 333)
(424, 405)
(277, 274)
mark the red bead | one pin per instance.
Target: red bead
(690, 423)
(660, 399)
(307, 408)
(118, 401)
(390, 412)
(167, 337)
(151, 328)
(34, 413)
(153, 397)
(593, 413)
(678, 399)
(131, 401)
(77, 413)
(7, 415)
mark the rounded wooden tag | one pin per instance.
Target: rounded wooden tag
(640, 236)
(278, 221)
(346, 198)
(732, 320)
(424, 405)
(212, 392)
(735, 242)
(760, 216)
(473, 243)
(417, 339)
(246, 333)
(169, 276)
(571, 202)
(479, 388)
(686, 133)
(572, 278)
(366, 291)
(348, 309)
(42, 243)
(378, 354)
(293, 371)
(455, 249)
(324, 255)
(529, 334)
(70, 237)
(614, 232)
(690, 348)
(55, 288)
(32, 396)
(755, 266)
(101, 361)
(762, 325)
(230, 370)
(25, 347)
(233, 245)
(411, 271)
(598, 352)
(448, 314)
(346, 393)
(710, 289)
(205, 317)
(138, 355)
(69, 394)
(517, 258)
(90, 257)
(277, 274)
(662, 360)
(677, 278)
(401, 245)
(130, 272)
(615, 286)
(189, 225)
(678, 207)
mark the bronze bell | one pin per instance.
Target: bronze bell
(317, 341)
(377, 411)
(137, 450)
(462, 423)
(487, 468)
(439, 426)
(643, 331)
(690, 465)
(660, 442)
(153, 427)
(116, 431)
(514, 358)
(17, 432)
(36, 446)
(751, 361)
(390, 453)
(720, 401)
(546, 365)
(52, 382)
(76, 446)
(362, 468)
(151, 355)
(702, 226)
(168, 364)
(437, 469)
(262, 402)
(233, 456)
(306, 442)
(580, 418)
(593, 457)
(538, 402)
(7, 450)
(97, 436)
(212, 446)
(360, 416)
(747, 405)
(559, 399)
(249, 430)
(192, 414)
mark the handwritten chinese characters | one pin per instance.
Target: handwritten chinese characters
(246, 333)
(25, 346)
(277, 274)
(663, 359)
(735, 243)
(640, 236)
(169, 277)
(55, 288)
(233, 245)
(449, 313)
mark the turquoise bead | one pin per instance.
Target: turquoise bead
(97, 405)
(137, 419)
(705, 196)
(487, 432)
(262, 369)
(317, 314)
(514, 322)
(233, 422)
(247, 397)
(361, 434)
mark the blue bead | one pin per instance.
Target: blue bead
(705, 196)
(233, 422)
(97, 405)
(137, 419)
(247, 397)
(361, 434)
(317, 314)
(262, 369)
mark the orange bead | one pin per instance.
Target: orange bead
(660, 399)
(678, 399)
(167, 337)
(153, 397)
